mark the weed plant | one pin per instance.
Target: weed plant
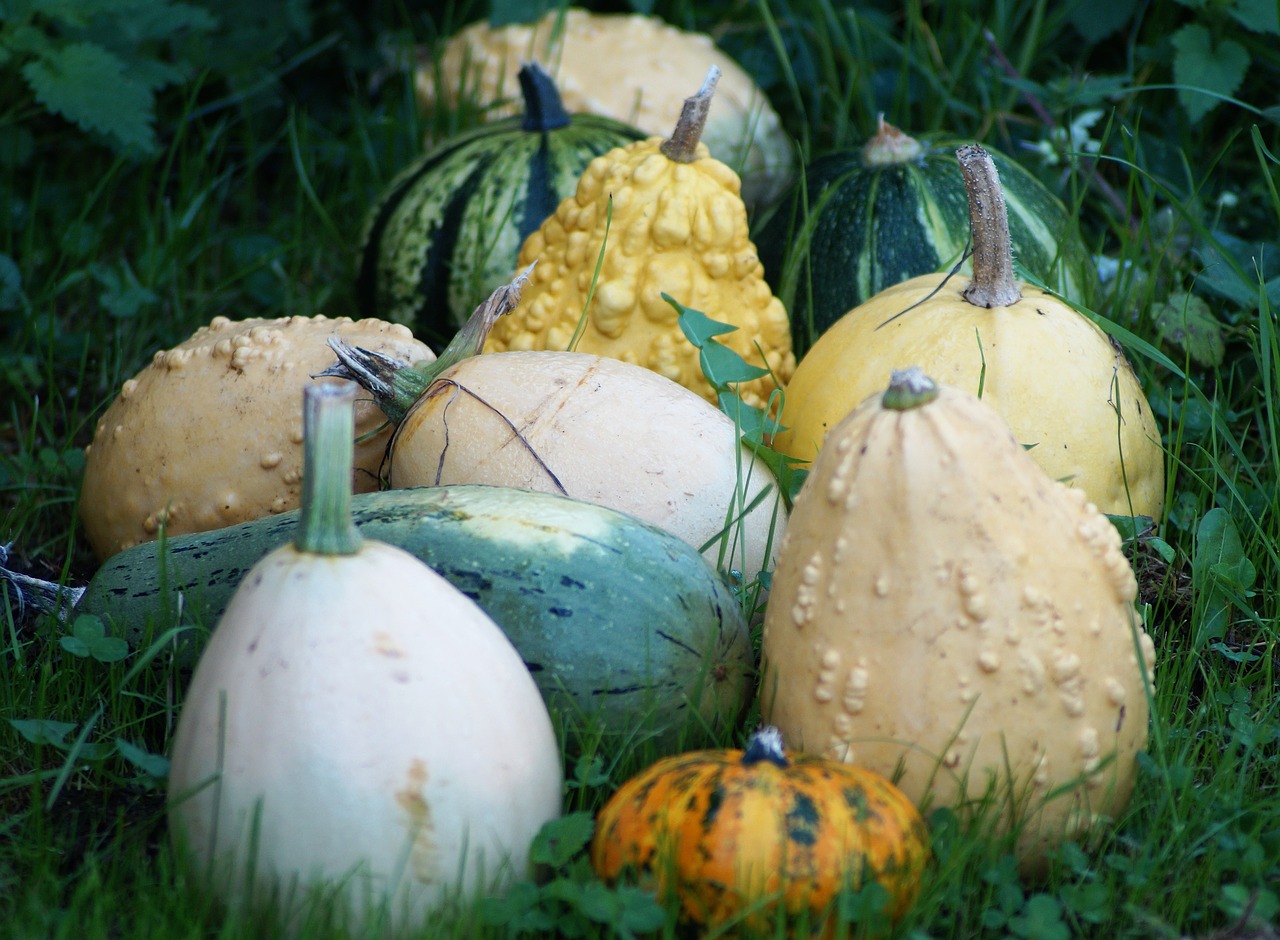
(231, 178)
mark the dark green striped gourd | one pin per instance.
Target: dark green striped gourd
(448, 228)
(626, 628)
(871, 218)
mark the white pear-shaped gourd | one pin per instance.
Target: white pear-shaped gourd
(944, 610)
(355, 719)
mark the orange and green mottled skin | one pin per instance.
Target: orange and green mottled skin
(725, 833)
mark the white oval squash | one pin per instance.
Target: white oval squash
(600, 430)
(355, 719)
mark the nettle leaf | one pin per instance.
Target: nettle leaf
(559, 840)
(1186, 322)
(1199, 62)
(148, 20)
(1260, 16)
(89, 86)
(1097, 19)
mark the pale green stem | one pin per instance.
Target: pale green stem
(328, 428)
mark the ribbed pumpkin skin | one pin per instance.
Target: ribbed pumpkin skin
(723, 835)
(448, 228)
(869, 227)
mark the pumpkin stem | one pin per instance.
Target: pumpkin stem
(543, 109)
(682, 145)
(889, 146)
(908, 388)
(395, 385)
(325, 526)
(765, 744)
(993, 283)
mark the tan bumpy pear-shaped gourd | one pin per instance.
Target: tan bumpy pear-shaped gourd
(944, 609)
(671, 221)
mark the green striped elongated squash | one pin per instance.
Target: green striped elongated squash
(625, 627)
(447, 230)
(864, 220)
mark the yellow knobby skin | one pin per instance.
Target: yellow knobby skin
(678, 228)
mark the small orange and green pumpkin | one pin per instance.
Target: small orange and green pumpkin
(736, 835)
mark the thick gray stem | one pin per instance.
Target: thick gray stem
(993, 283)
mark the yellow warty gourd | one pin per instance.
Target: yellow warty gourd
(671, 221)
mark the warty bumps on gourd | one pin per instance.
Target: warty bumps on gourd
(670, 220)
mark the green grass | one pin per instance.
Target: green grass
(252, 207)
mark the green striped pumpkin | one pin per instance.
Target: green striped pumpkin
(868, 219)
(447, 230)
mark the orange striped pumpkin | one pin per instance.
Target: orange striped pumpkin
(736, 833)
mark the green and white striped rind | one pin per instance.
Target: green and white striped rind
(625, 628)
(862, 228)
(447, 230)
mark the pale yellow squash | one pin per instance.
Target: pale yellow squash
(1067, 391)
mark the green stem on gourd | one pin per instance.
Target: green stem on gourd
(325, 526)
(396, 386)
(543, 109)
(908, 388)
(993, 283)
(682, 145)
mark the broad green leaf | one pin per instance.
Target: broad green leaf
(1186, 322)
(1040, 919)
(88, 639)
(43, 730)
(607, 906)
(641, 911)
(1261, 16)
(1097, 19)
(517, 909)
(1198, 62)
(26, 40)
(89, 86)
(153, 765)
(561, 839)
(1219, 569)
